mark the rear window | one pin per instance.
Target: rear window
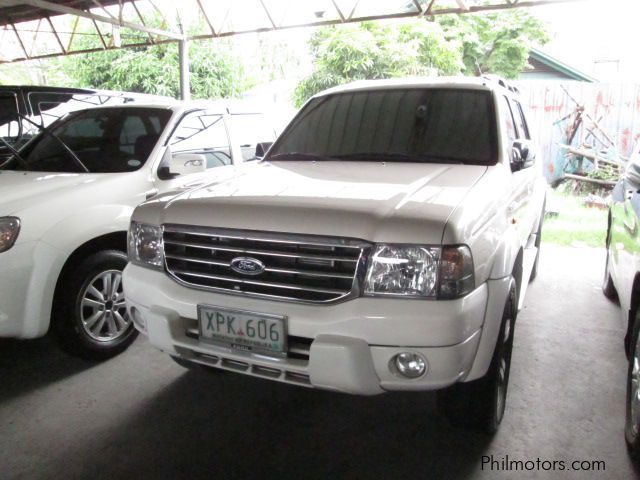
(426, 125)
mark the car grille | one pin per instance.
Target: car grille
(296, 267)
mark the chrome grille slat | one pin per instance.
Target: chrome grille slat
(292, 271)
(259, 252)
(296, 267)
(255, 282)
(255, 238)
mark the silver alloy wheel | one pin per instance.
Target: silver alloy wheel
(103, 312)
(502, 374)
(634, 391)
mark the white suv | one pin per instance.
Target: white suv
(66, 201)
(384, 243)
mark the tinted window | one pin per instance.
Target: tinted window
(104, 140)
(510, 123)
(523, 129)
(9, 126)
(47, 107)
(428, 125)
(203, 133)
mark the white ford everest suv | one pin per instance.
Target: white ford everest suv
(66, 200)
(384, 243)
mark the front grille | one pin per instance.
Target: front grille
(296, 267)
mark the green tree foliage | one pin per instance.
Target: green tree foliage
(497, 43)
(374, 50)
(214, 71)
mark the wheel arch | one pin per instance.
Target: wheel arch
(109, 241)
(633, 311)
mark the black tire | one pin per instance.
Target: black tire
(632, 427)
(479, 405)
(73, 334)
(608, 288)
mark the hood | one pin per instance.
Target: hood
(22, 190)
(380, 202)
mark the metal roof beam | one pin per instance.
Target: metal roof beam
(46, 5)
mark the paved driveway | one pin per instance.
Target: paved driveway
(140, 415)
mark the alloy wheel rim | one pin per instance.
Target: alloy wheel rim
(634, 391)
(103, 312)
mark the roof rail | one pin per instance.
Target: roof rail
(502, 82)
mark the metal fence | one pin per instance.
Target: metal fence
(615, 108)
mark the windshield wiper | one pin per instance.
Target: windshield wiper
(15, 153)
(62, 144)
(397, 157)
(300, 156)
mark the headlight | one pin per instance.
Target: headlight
(403, 270)
(9, 229)
(145, 245)
(420, 271)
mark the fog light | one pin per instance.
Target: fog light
(410, 365)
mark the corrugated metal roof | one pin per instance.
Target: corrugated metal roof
(17, 12)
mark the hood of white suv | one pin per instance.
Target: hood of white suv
(382, 202)
(22, 190)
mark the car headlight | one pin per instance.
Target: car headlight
(420, 271)
(145, 245)
(9, 230)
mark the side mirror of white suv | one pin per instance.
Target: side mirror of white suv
(186, 163)
(523, 155)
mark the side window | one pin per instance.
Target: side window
(510, 124)
(205, 134)
(9, 126)
(521, 123)
(248, 129)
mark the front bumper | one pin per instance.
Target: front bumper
(27, 282)
(350, 345)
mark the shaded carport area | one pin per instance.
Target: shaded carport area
(140, 415)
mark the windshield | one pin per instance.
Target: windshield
(412, 124)
(110, 140)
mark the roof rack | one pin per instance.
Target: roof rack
(502, 82)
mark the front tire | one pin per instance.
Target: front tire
(90, 318)
(632, 424)
(480, 404)
(608, 288)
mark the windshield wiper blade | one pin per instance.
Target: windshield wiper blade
(15, 153)
(56, 138)
(300, 156)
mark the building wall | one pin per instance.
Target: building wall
(615, 106)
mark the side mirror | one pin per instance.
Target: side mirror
(523, 155)
(186, 163)
(262, 148)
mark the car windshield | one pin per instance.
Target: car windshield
(106, 140)
(434, 125)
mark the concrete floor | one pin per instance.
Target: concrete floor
(142, 415)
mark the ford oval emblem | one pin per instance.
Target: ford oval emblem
(246, 265)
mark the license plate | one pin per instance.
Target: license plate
(243, 330)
